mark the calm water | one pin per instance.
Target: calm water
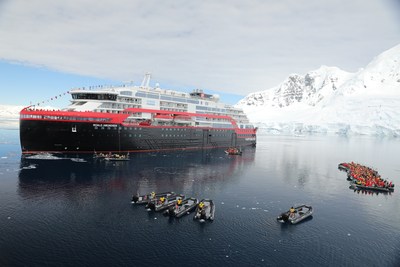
(66, 213)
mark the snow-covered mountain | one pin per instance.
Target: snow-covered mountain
(326, 100)
(330, 100)
(9, 116)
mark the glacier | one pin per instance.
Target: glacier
(332, 101)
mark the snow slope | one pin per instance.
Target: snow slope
(329, 100)
(9, 116)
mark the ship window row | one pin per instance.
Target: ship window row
(173, 135)
(115, 128)
(212, 113)
(220, 125)
(134, 135)
(219, 130)
(127, 93)
(176, 99)
(164, 97)
(220, 110)
(173, 129)
(172, 104)
(212, 119)
(172, 109)
(117, 106)
(94, 96)
(48, 117)
(130, 100)
(147, 95)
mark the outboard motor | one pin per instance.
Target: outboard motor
(284, 217)
(151, 205)
(203, 214)
(135, 198)
(171, 211)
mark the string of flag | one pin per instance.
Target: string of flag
(52, 98)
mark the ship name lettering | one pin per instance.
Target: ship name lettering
(104, 125)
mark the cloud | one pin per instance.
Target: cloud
(232, 46)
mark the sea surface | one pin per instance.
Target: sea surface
(78, 212)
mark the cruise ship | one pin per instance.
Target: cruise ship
(129, 118)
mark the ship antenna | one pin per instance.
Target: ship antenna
(146, 80)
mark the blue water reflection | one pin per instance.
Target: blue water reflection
(68, 212)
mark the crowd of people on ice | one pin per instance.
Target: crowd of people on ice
(366, 176)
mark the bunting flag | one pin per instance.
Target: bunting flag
(53, 98)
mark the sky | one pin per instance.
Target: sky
(228, 47)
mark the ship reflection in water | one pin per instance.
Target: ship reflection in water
(187, 172)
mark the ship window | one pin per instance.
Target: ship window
(140, 94)
(153, 96)
(128, 93)
(179, 99)
(166, 97)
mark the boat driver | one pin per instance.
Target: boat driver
(201, 205)
(292, 212)
(162, 199)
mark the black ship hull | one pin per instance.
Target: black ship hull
(84, 137)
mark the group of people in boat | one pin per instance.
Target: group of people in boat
(179, 201)
(178, 205)
(233, 151)
(365, 176)
(111, 156)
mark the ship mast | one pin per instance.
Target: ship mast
(146, 80)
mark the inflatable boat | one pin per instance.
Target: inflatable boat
(187, 205)
(163, 203)
(205, 210)
(300, 213)
(144, 199)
